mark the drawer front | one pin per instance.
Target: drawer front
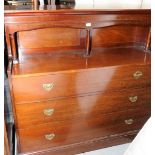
(36, 88)
(51, 135)
(29, 114)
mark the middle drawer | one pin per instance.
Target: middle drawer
(29, 114)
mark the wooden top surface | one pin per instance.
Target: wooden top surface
(74, 8)
(44, 63)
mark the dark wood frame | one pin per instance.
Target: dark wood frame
(22, 21)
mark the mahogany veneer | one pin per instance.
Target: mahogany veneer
(79, 79)
(89, 127)
(29, 114)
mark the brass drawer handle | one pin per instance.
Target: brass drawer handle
(129, 121)
(133, 99)
(137, 75)
(49, 136)
(48, 112)
(48, 86)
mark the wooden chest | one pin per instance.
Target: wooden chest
(79, 79)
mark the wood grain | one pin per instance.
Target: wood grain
(80, 130)
(69, 39)
(77, 83)
(90, 145)
(22, 21)
(76, 61)
(6, 142)
(120, 35)
(30, 114)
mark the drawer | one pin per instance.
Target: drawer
(29, 114)
(50, 135)
(71, 83)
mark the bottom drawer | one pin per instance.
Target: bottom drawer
(50, 135)
(90, 145)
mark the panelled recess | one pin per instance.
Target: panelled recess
(49, 40)
(71, 38)
(120, 35)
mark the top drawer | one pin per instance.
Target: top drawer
(71, 83)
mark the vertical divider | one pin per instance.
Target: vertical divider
(13, 48)
(8, 44)
(88, 42)
(148, 41)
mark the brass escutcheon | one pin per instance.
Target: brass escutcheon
(137, 74)
(48, 112)
(133, 99)
(129, 121)
(48, 86)
(49, 136)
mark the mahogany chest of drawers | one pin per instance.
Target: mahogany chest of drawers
(79, 79)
